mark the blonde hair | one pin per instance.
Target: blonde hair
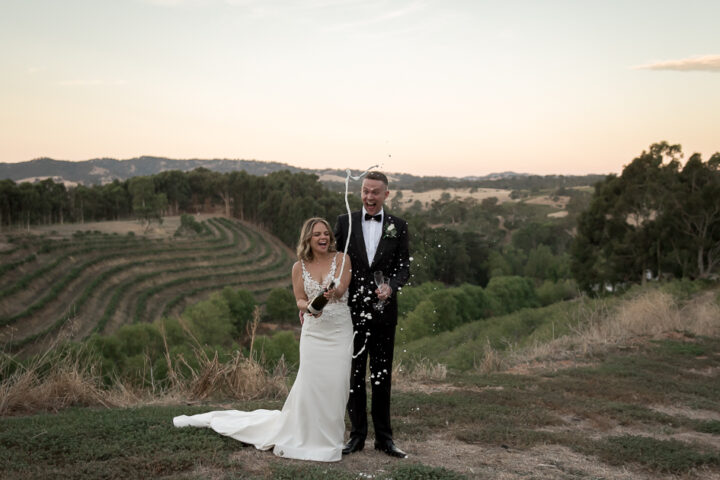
(304, 251)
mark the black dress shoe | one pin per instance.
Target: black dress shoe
(390, 448)
(355, 444)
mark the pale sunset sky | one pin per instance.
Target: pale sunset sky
(428, 87)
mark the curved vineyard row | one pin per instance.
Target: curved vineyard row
(78, 287)
(59, 284)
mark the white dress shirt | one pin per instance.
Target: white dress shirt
(372, 231)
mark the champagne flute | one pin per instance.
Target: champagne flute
(380, 280)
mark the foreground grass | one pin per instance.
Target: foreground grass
(609, 411)
(583, 408)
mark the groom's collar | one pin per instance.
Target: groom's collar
(381, 213)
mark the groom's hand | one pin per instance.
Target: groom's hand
(384, 292)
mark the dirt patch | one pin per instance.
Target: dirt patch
(560, 214)
(427, 388)
(475, 461)
(120, 227)
(557, 202)
(686, 412)
(602, 427)
(539, 366)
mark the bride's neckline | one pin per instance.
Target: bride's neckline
(332, 261)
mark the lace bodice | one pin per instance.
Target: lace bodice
(314, 288)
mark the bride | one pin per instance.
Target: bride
(311, 424)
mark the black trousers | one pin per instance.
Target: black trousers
(378, 341)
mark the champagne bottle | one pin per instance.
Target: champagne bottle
(316, 305)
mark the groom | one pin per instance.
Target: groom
(379, 242)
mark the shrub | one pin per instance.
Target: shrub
(281, 344)
(418, 323)
(410, 297)
(473, 302)
(210, 321)
(446, 307)
(188, 225)
(140, 339)
(241, 304)
(512, 293)
(281, 306)
(550, 292)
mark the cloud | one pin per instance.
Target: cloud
(381, 18)
(703, 63)
(92, 83)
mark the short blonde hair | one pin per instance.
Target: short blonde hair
(304, 251)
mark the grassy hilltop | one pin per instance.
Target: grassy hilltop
(620, 388)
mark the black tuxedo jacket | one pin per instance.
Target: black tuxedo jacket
(392, 258)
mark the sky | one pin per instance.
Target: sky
(428, 87)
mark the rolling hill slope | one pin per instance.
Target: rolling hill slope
(56, 285)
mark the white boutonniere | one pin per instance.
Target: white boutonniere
(390, 231)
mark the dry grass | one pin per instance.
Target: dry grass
(55, 381)
(492, 360)
(61, 378)
(242, 378)
(650, 316)
(479, 194)
(405, 376)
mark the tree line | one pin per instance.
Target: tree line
(658, 219)
(278, 202)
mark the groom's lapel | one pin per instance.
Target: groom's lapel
(357, 232)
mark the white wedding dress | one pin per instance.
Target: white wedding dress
(311, 424)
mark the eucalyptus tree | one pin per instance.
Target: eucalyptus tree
(656, 217)
(148, 205)
(693, 215)
(176, 187)
(9, 202)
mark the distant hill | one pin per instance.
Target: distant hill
(105, 170)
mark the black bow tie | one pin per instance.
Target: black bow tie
(377, 217)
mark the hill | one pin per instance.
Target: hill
(623, 395)
(105, 170)
(70, 281)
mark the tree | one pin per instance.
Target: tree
(694, 212)
(29, 203)
(176, 187)
(147, 205)
(116, 200)
(201, 186)
(655, 217)
(9, 201)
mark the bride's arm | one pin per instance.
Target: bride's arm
(340, 289)
(301, 299)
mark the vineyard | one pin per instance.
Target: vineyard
(71, 286)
